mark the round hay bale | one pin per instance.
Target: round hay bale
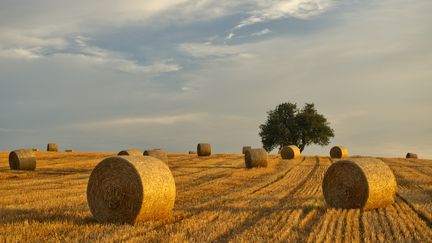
(338, 152)
(246, 148)
(365, 183)
(131, 152)
(22, 159)
(52, 147)
(130, 189)
(411, 156)
(256, 158)
(290, 152)
(192, 152)
(158, 154)
(35, 150)
(68, 150)
(204, 149)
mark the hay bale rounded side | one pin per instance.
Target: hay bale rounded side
(365, 183)
(158, 154)
(22, 159)
(411, 156)
(192, 152)
(246, 148)
(131, 152)
(130, 189)
(290, 152)
(256, 158)
(52, 147)
(204, 149)
(338, 152)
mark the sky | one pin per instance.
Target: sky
(111, 75)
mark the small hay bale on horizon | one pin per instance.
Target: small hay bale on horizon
(411, 156)
(246, 148)
(256, 158)
(339, 152)
(35, 149)
(364, 183)
(204, 149)
(131, 189)
(130, 152)
(22, 159)
(192, 152)
(290, 152)
(68, 150)
(52, 147)
(157, 153)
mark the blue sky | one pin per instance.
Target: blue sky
(104, 76)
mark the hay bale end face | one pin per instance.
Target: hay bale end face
(52, 147)
(131, 189)
(130, 152)
(256, 158)
(338, 152)
(246, 148)
(22, 159)
(204, 149)
(290, 152)
(411, 156)
(365, 183)
(157, 153)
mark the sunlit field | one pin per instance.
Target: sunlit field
(217, 200)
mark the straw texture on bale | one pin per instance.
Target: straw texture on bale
(411, 156)
(131, 189)
(52, 147)
(158, 154)
(365, 183)
(133, 152)
(338, 152)
(256, 158)
(204, 149)
(22, 159)
(290, 152)
(192, 152)
(246, 148)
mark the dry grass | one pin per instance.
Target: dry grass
(217, 200)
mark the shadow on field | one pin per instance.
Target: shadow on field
(26, 216)
(63, 171)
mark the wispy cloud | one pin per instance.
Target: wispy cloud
(208, 49)
(143, 120)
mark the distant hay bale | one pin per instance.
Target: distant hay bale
(338, 152)
(157, 153)
(131, 189)
(131, 152)
(52, 147)
(411, 156)
(35, 149)
(192, 152)
(246, 148)
(22, 159)
(256, 158)
(365, 183)
(68, 150)
(204, 149)
(290, 152)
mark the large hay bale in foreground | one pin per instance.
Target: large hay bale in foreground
(411, 156)
(204, 149)
(256, 158)
(22, 159)
(246, 148)
(290, 152)
(131, 152)
(158, 154)
(365, 183)
(338, 152)
(52, 147)
(130, 189)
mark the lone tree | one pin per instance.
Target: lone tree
(288, 125)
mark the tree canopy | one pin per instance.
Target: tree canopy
(288, 125)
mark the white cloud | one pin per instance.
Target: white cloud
(207, 49)
(262, 32)
(145, 120)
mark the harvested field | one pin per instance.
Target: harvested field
(217, 199)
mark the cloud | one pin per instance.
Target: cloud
(262, 32)
(207, 49)
(145, 120)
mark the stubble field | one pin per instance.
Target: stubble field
(217, 200)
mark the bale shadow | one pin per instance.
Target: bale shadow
(27, 216)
